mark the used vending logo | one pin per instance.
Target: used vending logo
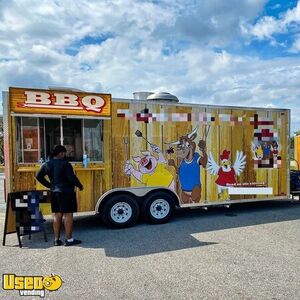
(31, 285)
(37, 99)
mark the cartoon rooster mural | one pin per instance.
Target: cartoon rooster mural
(226, 173)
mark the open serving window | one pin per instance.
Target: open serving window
(36, 137)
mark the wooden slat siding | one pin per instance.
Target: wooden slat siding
(24, 181)
(137, 144)
(273, 174)
(154, 132)
(85, 198)
(106, 174)
(262, 173)
(213, 147)
(17, 96)
(160, 133)
(237, 144)
(200, 136)
(13, 154)
(120, 129)
(8, 138)
(248, 131)
(170, 135)
(100, 180)
(182, 128)
(225, 136)
(283, 133)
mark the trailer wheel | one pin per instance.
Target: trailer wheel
(158, 208)
(120, 211)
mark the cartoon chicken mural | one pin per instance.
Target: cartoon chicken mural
(226, 172)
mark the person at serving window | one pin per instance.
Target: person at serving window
(63, 197)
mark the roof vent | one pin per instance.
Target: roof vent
(141, 95)
(163, 96)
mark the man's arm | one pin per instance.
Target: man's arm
(72, 177)
(40, 176)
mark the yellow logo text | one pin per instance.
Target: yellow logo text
(31, 285)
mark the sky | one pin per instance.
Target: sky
(233, 52)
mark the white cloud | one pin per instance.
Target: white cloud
(296, 45)
(159, 46)
(266, 27)
(216, 23)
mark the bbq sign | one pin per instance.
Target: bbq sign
(59, 102)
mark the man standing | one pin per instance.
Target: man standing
(63, 197)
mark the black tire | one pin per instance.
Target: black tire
(158, 208)
(120, 211)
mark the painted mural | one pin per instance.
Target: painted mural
(151, 169)
(206, 156)
(227, 173)
(265, 145)
(188, 169)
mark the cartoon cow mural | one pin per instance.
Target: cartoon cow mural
(151, 171)
(189, 167)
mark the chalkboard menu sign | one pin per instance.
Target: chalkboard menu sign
(24, 207)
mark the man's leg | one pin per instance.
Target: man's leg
(68, 222)
(70, 207)
(57, 222)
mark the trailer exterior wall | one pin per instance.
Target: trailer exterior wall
(231, 129)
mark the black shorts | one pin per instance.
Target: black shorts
(63, 202)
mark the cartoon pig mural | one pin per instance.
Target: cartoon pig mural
(151, 170)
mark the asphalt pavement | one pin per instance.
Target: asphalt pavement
(249, 251)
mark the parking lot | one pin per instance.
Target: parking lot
(249, 251)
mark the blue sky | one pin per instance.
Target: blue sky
(234, 52)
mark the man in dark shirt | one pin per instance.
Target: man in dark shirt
(63, 197)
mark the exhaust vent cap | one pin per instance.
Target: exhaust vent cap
(163, 96)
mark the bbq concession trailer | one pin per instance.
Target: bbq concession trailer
(147, 157)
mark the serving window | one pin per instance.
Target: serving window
(36, 138)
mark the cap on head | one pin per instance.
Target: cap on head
(58, 149)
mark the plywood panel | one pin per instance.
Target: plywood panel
(283, 134)
(85, 198)
(154, 131)
(225, 134)
(262, 174)
(213, 147)
(203, 129)
(237, 143)
(99, 186)
(25, 181)
(120, 130)
(106, 174)
(249, 173)
(273, 174)
(170, 135)
(137, 144)
(222, 135)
